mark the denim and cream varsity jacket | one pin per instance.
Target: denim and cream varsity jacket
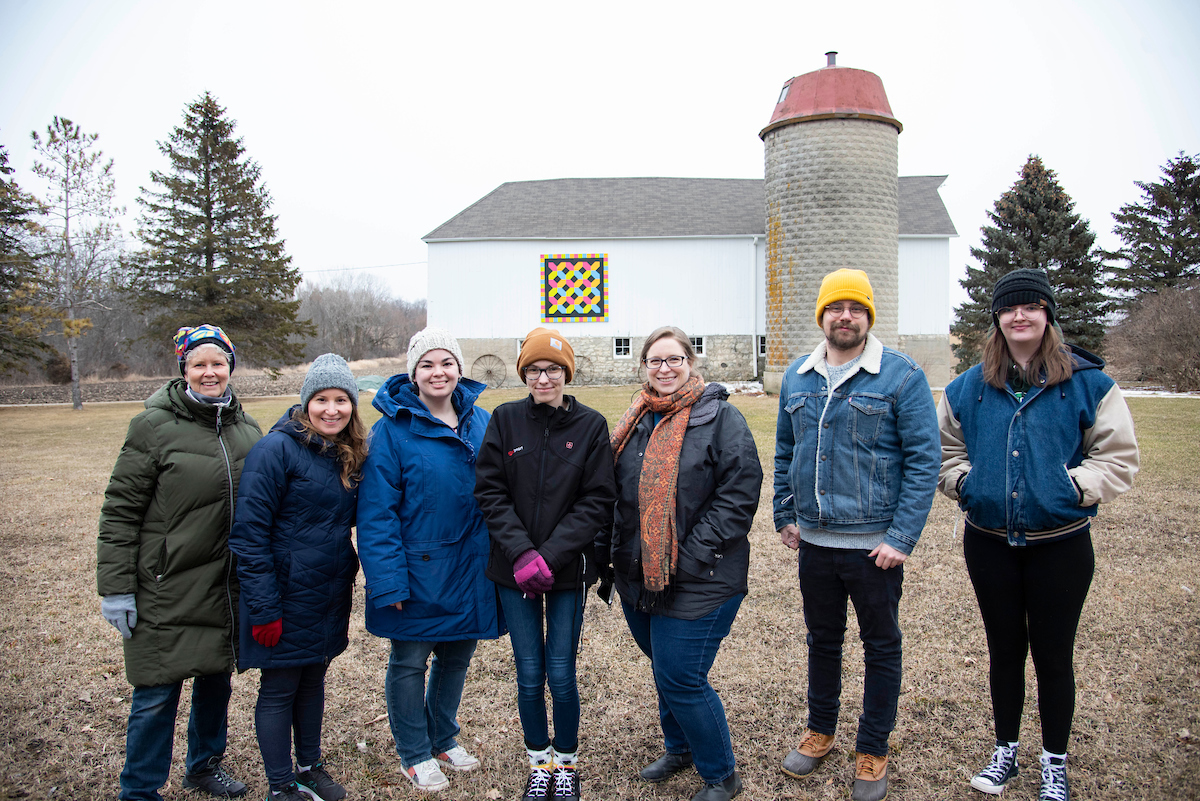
(1034, 469)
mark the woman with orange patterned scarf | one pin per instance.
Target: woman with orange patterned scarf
(688, 480)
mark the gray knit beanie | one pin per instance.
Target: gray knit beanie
(432, 339)
(328, 371)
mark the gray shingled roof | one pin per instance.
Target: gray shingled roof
(593, 208)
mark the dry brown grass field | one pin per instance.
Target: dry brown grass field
(64, 698)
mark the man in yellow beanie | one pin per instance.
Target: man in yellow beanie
(857, 453)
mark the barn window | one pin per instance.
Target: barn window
(697, 345)
(762, 345)
(783, 93)
(621, 349)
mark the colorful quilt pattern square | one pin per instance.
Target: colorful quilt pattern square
(574, 288)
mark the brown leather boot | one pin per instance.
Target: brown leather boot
(809, 755)
(870, 778)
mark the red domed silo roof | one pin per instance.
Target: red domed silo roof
(832, 93)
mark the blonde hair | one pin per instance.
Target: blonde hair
(1053, 359)
(351, 444)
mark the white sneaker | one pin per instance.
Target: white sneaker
(457, 758)
(427, 776)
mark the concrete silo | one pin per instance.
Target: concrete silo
(831, 194)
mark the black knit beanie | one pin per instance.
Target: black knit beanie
(1024, 286)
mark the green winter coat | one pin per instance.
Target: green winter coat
(164, 535)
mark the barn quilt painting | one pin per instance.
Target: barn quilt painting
(575, 288)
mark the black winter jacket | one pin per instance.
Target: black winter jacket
(720, 479)
(544, 479)
(295, 560)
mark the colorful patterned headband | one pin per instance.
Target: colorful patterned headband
(188, 338)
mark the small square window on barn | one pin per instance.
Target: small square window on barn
(697, 345)
(621, 349)
(762, 345)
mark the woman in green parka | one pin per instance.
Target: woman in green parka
(163, 566)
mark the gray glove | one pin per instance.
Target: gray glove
(121, 611)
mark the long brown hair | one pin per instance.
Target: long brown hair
(1053, 359)
(351, 444)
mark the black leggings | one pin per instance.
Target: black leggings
(1031, 599)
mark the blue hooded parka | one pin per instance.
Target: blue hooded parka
(422, 538)
(295, 560)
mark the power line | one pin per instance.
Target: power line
(376, 267)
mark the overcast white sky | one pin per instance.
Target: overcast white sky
(374, 122)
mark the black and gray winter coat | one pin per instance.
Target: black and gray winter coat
(720, 479)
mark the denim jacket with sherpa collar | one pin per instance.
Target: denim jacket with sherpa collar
(864, 459)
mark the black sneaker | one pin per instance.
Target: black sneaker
(1054, 780)
(539, 785)
(289, 792)
(213, 780)
(317, 782)
(999, 771)
(566, 783)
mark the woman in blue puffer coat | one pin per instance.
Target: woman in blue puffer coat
(296, 564)
(424, 547)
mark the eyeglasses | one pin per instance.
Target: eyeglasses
(671, 361)
(553, 372)
(1027, 309)
(838, 309)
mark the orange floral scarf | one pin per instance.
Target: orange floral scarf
(659, 480)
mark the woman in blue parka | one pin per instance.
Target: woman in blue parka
(296, 564)
(424, 547)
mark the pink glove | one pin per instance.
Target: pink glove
(268, 634)
(532, 573)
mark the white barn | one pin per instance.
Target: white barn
(689, 252)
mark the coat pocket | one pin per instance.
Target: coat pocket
(439, 580)
(866, 417)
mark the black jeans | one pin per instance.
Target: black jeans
(289, 700)
(1031, 599)
(828, 577)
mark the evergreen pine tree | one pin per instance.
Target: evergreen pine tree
(1161, 234)
(1034, 226)
(212, 253)
(21, 319)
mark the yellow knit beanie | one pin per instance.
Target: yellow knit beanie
(846, 284)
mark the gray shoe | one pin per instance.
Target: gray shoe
(665, 767)
(722, 791)
(808, 756)
(870, 778)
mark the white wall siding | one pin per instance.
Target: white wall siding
(924, 286)
(490, 289)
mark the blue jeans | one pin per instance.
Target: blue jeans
(424, 720)
(828, 576)
(546, 660)
(691, 713)
(289, 699)
(151, 733)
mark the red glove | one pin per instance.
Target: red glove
(268, 634)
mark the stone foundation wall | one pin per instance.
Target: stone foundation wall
(494, 361)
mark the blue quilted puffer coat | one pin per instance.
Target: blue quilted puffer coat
(291, 536)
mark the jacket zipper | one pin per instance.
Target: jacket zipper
(228, 530)
(537, 501)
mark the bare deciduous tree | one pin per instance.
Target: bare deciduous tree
(357, 317)
(82, 241)
(1160, 338)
